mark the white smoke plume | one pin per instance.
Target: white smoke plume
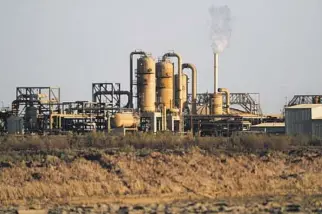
(220, 28)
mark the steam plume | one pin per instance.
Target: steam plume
(220, 28)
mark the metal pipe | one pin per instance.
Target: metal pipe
(168, 55)
(193, 85)
(227, 94)
(164, 118)
(140, 53)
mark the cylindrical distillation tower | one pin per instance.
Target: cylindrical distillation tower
(164, 72)
(146, 84)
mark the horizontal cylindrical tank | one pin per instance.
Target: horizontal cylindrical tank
(164, 72)
(146, 84)
(124, 120)
(184, 89)
(217, 104)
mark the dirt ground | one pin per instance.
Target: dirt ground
(165, 182)
(259, 204)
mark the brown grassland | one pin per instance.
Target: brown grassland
(63, 169)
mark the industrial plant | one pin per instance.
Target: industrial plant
(162, 97)
(158, 100)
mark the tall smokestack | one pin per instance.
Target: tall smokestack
(217, 98)
(215, 73)
(220, 31)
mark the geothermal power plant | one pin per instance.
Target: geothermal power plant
(162, 97)
(158, 100)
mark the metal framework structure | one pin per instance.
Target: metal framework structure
(305, 99)
(41, 102)
(108, 100)
(80, 107)
(76, 116)
(44, 98)
(219, 125)
(110, 94)
(249, 102)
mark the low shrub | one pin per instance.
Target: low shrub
(160, 142)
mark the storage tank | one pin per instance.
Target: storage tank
(184, 80)
(146, 84)
(31, 117)
(164, 72)
(217, 104)
(124, 120)
(15, 125)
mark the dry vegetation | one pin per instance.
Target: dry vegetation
(244, 143)
(61, 168)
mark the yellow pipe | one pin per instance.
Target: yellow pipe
(193, 85)
(59, 117)
(227, 94)
(73, 116)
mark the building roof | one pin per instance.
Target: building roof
(263, 125)
(274, 115)
(301, 106)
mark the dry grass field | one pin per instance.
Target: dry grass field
(58, 170)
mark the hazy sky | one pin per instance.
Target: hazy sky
(275, 49)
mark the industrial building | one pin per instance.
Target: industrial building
(304, 119)
(162, 96)
(269, 128)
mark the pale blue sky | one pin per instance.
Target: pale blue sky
(275, 49)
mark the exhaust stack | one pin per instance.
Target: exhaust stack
(217, 97)
(215, 73)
